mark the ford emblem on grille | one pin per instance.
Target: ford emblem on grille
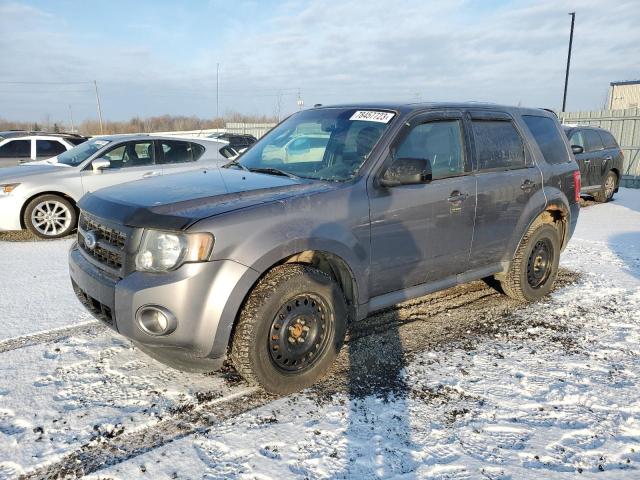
(90, 240)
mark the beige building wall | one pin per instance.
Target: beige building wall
(622, 96)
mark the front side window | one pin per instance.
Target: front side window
(325, 144)
(79, 154)
(130, 154)
(593, 140)
(577, 139)
(49, 148)
(439, 142)
(498, 145)
(16, 148)
(548, 137)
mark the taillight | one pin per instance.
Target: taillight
(577, 184)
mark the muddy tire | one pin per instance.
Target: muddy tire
(535, 265)
(608, 188)
(50, 216)
(290, 329)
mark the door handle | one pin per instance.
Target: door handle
(527, 185)
(608, 158)
(457, 197)
(150, 174)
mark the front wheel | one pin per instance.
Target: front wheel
(608, 188)
(290, 329)
(535, 265)
(50, 216)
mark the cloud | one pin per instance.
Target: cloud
(503, 51)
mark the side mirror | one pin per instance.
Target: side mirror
(577, 149)
(407, 171)
(100, 164)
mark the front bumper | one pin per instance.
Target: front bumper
(10, 206)
(203, 297)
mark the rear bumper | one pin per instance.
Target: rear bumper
(574, 213)
(203, 297)
(10, 206)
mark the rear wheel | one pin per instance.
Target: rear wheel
(535, 265)
(608, 188)
(50, 216)
(290, 329)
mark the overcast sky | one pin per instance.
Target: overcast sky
(156, 57)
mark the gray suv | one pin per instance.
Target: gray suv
(267, 260)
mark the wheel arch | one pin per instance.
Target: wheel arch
(326, 261)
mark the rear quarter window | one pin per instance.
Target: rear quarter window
(548, 137)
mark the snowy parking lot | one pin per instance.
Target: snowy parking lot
(461, 384)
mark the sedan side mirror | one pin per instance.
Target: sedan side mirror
(407, 171)
(100, 164)
(577, 149)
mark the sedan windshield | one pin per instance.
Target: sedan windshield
(324, 144)
(79, 154)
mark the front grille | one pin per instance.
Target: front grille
(99, 310)
(109, 249)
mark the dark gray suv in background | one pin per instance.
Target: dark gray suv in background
(268, 260)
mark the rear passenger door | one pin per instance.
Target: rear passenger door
(507, 178)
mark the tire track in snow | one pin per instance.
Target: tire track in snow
(90, 327)
(426, 322)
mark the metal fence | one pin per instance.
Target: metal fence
(255, 129)
(625, 126)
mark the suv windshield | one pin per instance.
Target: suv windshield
(79, 154)
(324, 144)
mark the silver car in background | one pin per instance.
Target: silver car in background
(42, 196)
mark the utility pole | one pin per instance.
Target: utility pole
(566, 77)
(95, 84)
(71, 116)
(217, 90)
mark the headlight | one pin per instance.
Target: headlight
(163, 251)
(7, 188)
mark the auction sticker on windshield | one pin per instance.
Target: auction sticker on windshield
(372, 116)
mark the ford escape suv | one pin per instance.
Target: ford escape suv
(267, 262)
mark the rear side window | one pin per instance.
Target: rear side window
(607, 139)
(76, 141)
(49, 148)
(593, 140)
(548, 137)
(498, 145)
(175, 151)
(16, 148)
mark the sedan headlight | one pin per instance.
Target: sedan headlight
(7, 188)
(164, 251)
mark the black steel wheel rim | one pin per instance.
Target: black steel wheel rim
(540, 263)
(300, 332)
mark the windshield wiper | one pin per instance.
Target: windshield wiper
(236, 163)
(274, 171)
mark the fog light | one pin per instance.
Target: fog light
(155, 320)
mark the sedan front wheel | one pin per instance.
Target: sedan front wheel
(50, 216)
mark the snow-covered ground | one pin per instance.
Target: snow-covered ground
(553, 392)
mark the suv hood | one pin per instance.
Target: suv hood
(177, 201)
(29, 170)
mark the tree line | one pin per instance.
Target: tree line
(162, 123)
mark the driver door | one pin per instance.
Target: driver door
(129, 161)
(422, 233)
